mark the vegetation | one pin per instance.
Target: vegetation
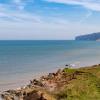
(66, 84)
(86, 86)
(69, 70)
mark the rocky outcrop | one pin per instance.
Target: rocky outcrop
(42, 88)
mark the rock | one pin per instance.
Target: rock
(35, 90)
(38, 83)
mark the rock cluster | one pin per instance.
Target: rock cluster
(40, 89)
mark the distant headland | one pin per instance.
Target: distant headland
(89, 37)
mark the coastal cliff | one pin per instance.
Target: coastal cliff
(89, 37)
(65, 84)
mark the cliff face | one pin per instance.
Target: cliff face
(89, 37)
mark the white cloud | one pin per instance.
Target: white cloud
(85, 17)
(17, 16)
(18, 24)
(89, 4)
(20, 4)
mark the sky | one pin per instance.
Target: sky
(48, 19)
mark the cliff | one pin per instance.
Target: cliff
(89, 37)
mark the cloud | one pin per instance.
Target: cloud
(17, 23)
(89, 4)
(6, 14)
(85, 17)
(19, 4)
(13, 11)
(19, 17)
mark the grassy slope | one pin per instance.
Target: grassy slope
(86, 86)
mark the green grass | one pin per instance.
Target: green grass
(68, 70)
(86, 86)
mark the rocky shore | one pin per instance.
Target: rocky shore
(46, 87)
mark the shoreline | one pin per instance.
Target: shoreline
(21, 83)
(38, 82)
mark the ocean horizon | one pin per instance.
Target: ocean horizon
(22, 60)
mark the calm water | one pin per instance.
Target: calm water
(23, 60)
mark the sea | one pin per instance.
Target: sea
(24, 60)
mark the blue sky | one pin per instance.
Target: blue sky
(48, 19)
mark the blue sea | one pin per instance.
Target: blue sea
(21, 61)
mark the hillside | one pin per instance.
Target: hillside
(89, 37)
(65, 84)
